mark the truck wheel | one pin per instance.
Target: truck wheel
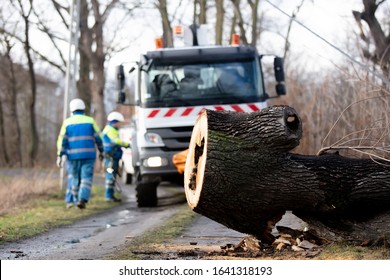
(146, 194)
(126, 177)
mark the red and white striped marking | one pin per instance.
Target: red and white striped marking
(194, 111)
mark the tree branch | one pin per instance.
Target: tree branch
(45, 58)
(58, 8)
(237, 12)
(108, 9)
(41, 26)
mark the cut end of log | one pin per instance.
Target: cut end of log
(196, 161)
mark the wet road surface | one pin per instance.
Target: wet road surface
(98, 236)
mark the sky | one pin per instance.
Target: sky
(330, 19)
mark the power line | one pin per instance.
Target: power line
(365, 67)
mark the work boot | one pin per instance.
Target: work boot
(81, 204)
(69, 205)
(113, 199)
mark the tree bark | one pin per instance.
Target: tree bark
(202, 11)
(255, 20)
(97, 58)
(92, 45)
(219, 21)
(3, 159)
(240, 174)
(33, 139)
(85, 40)
(166, 23)
(240, 21)
(10, 130)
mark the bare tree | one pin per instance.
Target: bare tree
(255, 20)
(25, 11)
(202, 11)
(43, 25)
(381, 55)
(92, 46)
(240, 21)
(3, 160)
(35, 51)
(161, 5)
(93, 54)
(219, 21)
(362, 126)
(253, 23)
(83, 84)
(93, 49)
(233, 26)
(10, 137)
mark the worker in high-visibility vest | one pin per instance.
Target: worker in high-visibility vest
(79, 136)
(113, 153)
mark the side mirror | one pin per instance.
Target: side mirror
(120, 77)
(279, 76)
(280, 89)
(278, 68)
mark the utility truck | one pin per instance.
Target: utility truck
(173, 86)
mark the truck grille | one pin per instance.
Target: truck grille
(175, 138)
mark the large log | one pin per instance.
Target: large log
(239, 172)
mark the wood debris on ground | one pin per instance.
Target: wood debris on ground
(289, 244)
(302, 243)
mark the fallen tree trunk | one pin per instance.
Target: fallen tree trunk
(239, 173)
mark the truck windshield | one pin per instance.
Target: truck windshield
(169, 85)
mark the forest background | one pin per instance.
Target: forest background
(339, 85)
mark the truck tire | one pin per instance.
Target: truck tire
(146, 194)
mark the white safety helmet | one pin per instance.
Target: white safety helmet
(76, 104)
(115, 116)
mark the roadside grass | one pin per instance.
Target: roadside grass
(46, 212)
(19, 186)
(159, 235)
(350, 252)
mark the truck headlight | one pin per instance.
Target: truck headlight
(155, 162)
(153, 138)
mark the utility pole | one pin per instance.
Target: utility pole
(72, 64)
(71, 67)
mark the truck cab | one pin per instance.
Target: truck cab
(173, 87)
